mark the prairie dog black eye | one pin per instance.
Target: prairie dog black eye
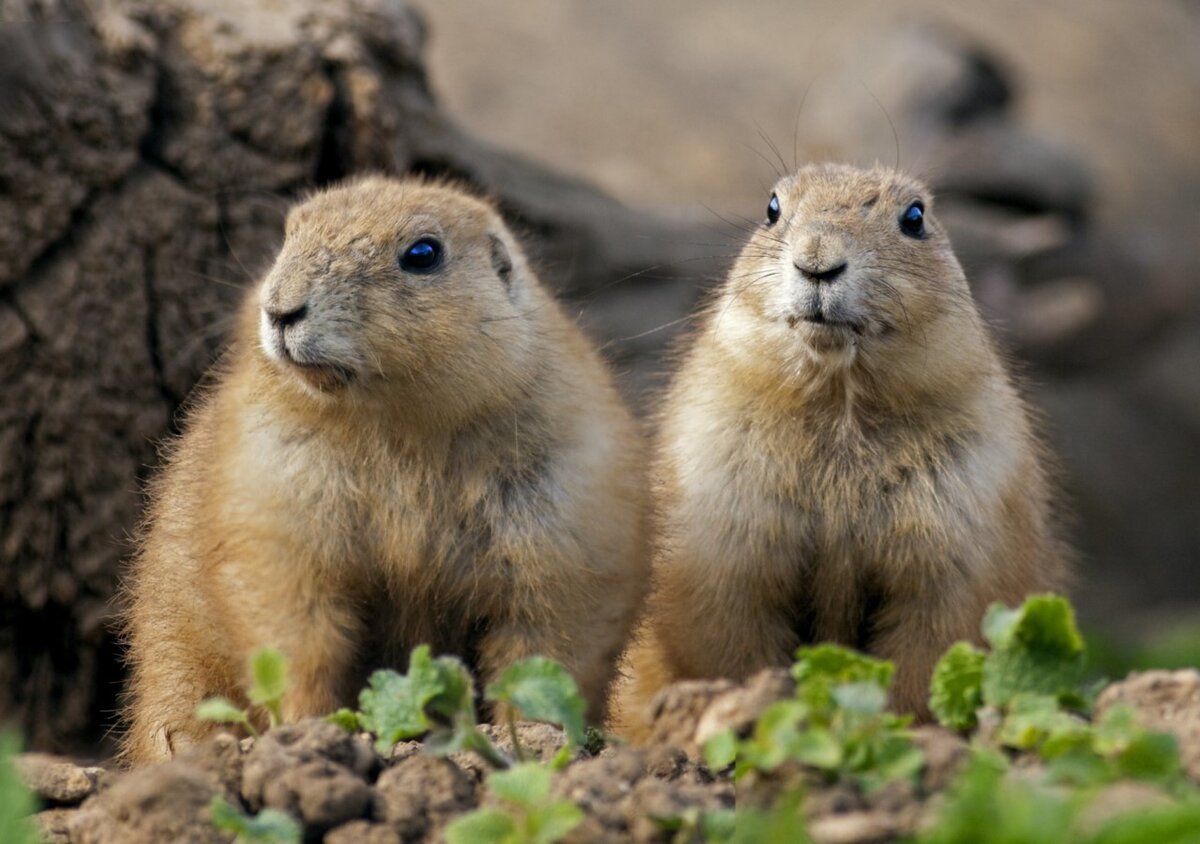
(422, 257)
(912, 221)
(773, 210)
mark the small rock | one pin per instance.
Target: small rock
(854, 828)
(285, 748)
(738, 708)
(166, 802)
(653, 800)
(322, 793)
(538, 740)
(362, 832)
(53, 825)
(604, 780)
(675, 711)
(56, 780)
(420, 794)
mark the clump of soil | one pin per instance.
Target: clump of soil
(341, 790)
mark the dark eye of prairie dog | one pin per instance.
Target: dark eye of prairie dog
(773, 210)
(912, 221)
(422, 257)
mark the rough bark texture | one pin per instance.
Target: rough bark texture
(148, 151)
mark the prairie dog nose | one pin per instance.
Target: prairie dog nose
(821, 256)
(282, 318)
(822, 275)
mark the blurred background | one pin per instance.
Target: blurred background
(148, 151)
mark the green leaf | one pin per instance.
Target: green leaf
(482, 826)
(837, 665)
(270, 826)
(527, 784)
(816, 747)
(269, 682)
(1035, 719)
(17, 803)
(551, 823)
(1036, 649)
(784, 822)
(1150, 756)
(345, 718)
(542, 690)
(1159, 825)
(720, 750)
(718, 824)
(985, 806)
(403, 706)
(864, 698)
(269, 673)
(222, 710)
(956, 691)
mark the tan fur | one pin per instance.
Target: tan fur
(876, 486)
(455, 468)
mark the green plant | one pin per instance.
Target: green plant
(436, 699)
(542, 690)
(1032, 683)
(16, 801)
(268, 684)
(835, 723)
(992, 804)
(532, 816)
(270, 826)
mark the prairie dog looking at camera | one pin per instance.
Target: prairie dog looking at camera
(408, 442)
(841, 455)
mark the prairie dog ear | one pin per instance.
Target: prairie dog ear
(501, 260)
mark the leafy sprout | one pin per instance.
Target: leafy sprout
(541, 690)
(268, 685)
(835, 723)
(532, 814)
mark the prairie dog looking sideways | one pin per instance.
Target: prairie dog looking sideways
(841, 455)
(408, 442)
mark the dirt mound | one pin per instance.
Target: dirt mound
(341, 790)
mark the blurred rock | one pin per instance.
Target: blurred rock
(56, 780)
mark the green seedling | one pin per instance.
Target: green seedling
(540, 689)
(1036, 651)
(1032, 681)
(835, 723)
(268, 684)
(436, 699)
(17, 803)
(270, 826)
(531, 815)
(991, 804)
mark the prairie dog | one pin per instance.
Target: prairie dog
(841, 455)
(408, 442)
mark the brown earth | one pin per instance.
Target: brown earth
(340, 790)
(148, 150)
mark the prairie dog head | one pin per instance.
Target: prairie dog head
(386, 287)
(848, 266)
